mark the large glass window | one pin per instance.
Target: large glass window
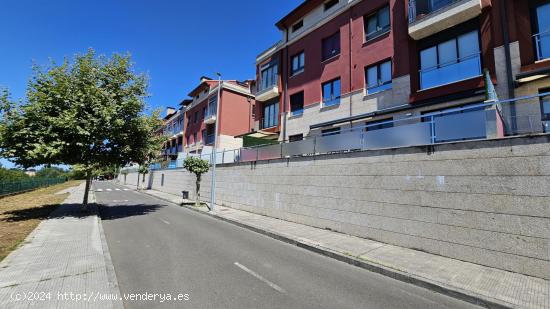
(297, 103)
(378, 77)
(331, 92)
(379, 124)
(271, 115)
(331, 131)
(331, 46)
(331, 3)
(268, 75)
(542, 29)
(212, 105)
(377, 23)
(450, 61)
(297, 62)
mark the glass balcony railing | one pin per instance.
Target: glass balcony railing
(420, 8)
(460, 69)
(542, 45)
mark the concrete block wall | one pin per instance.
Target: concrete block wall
(485, 202)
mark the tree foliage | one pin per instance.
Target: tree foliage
(198, 167)
(88, 111)
(51, 172)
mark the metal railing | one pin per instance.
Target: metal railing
(477, 121)
(12, 187)
(542, 44)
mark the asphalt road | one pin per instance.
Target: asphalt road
(161, 248)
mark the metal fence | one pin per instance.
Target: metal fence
(483, 120)
(12, 187)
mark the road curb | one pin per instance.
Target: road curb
(426, 283)
(109, 267)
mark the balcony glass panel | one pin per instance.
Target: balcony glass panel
(450, 61)
(399, 136)
(460, 126)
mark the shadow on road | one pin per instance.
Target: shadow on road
(114, 212)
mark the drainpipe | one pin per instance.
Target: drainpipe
(509, 74)
(285, 82)
(350, 69)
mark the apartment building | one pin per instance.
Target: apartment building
(235, 115)
(173, 130)
(345, 63)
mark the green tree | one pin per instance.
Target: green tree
(9, 175)
(88, 111)
(150, 152)
(198, 167)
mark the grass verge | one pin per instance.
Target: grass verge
(21, 213)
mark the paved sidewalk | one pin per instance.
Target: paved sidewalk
(471, 282)
(63, 255)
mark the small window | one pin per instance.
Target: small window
(297, 103)
(378, 77)
(195, 138)
(296, 138)
(297, 25)
(196, 116)
(204, 112)
(377, 23)
(331, 131)
(206, 90)
(204, 136)
(331, 46)
(297, 63)
(329, 4)
(331, 92)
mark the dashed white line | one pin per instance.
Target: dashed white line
(117, 189)
(257, 276)
(109, 189)
(99, 190)
(125, 189)
(165, 221)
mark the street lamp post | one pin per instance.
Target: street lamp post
(214, 152)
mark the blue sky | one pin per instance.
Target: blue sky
(174, 42)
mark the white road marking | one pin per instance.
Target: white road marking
(117, 189)
(126, 189)
(109, 189)
(99, 190)
(257, 276)
(164, 221)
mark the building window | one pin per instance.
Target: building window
(331, 92)
(331, 131)
(271, 115)
(297, 103)
(212, 106)
(379, 124)
(331, 46)
(378, 77)
(297, 25)
(329, 4)
(188, 140)
(541, 25)
(297, 62)
(196, 116)
(203, 133)
(545, 110)
(450, 61)
(268, 75)
(295, 138)
(195, 140)
(377, 23)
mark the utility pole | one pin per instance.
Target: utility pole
(214, 152)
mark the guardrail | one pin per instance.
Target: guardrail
(11, 187)
(476, 121)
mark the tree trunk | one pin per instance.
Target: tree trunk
(125, 179)
(198, 190)
(143, 182)
(87, 190)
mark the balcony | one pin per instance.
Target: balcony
(428, 17)
(267, 93)
(210, 117)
